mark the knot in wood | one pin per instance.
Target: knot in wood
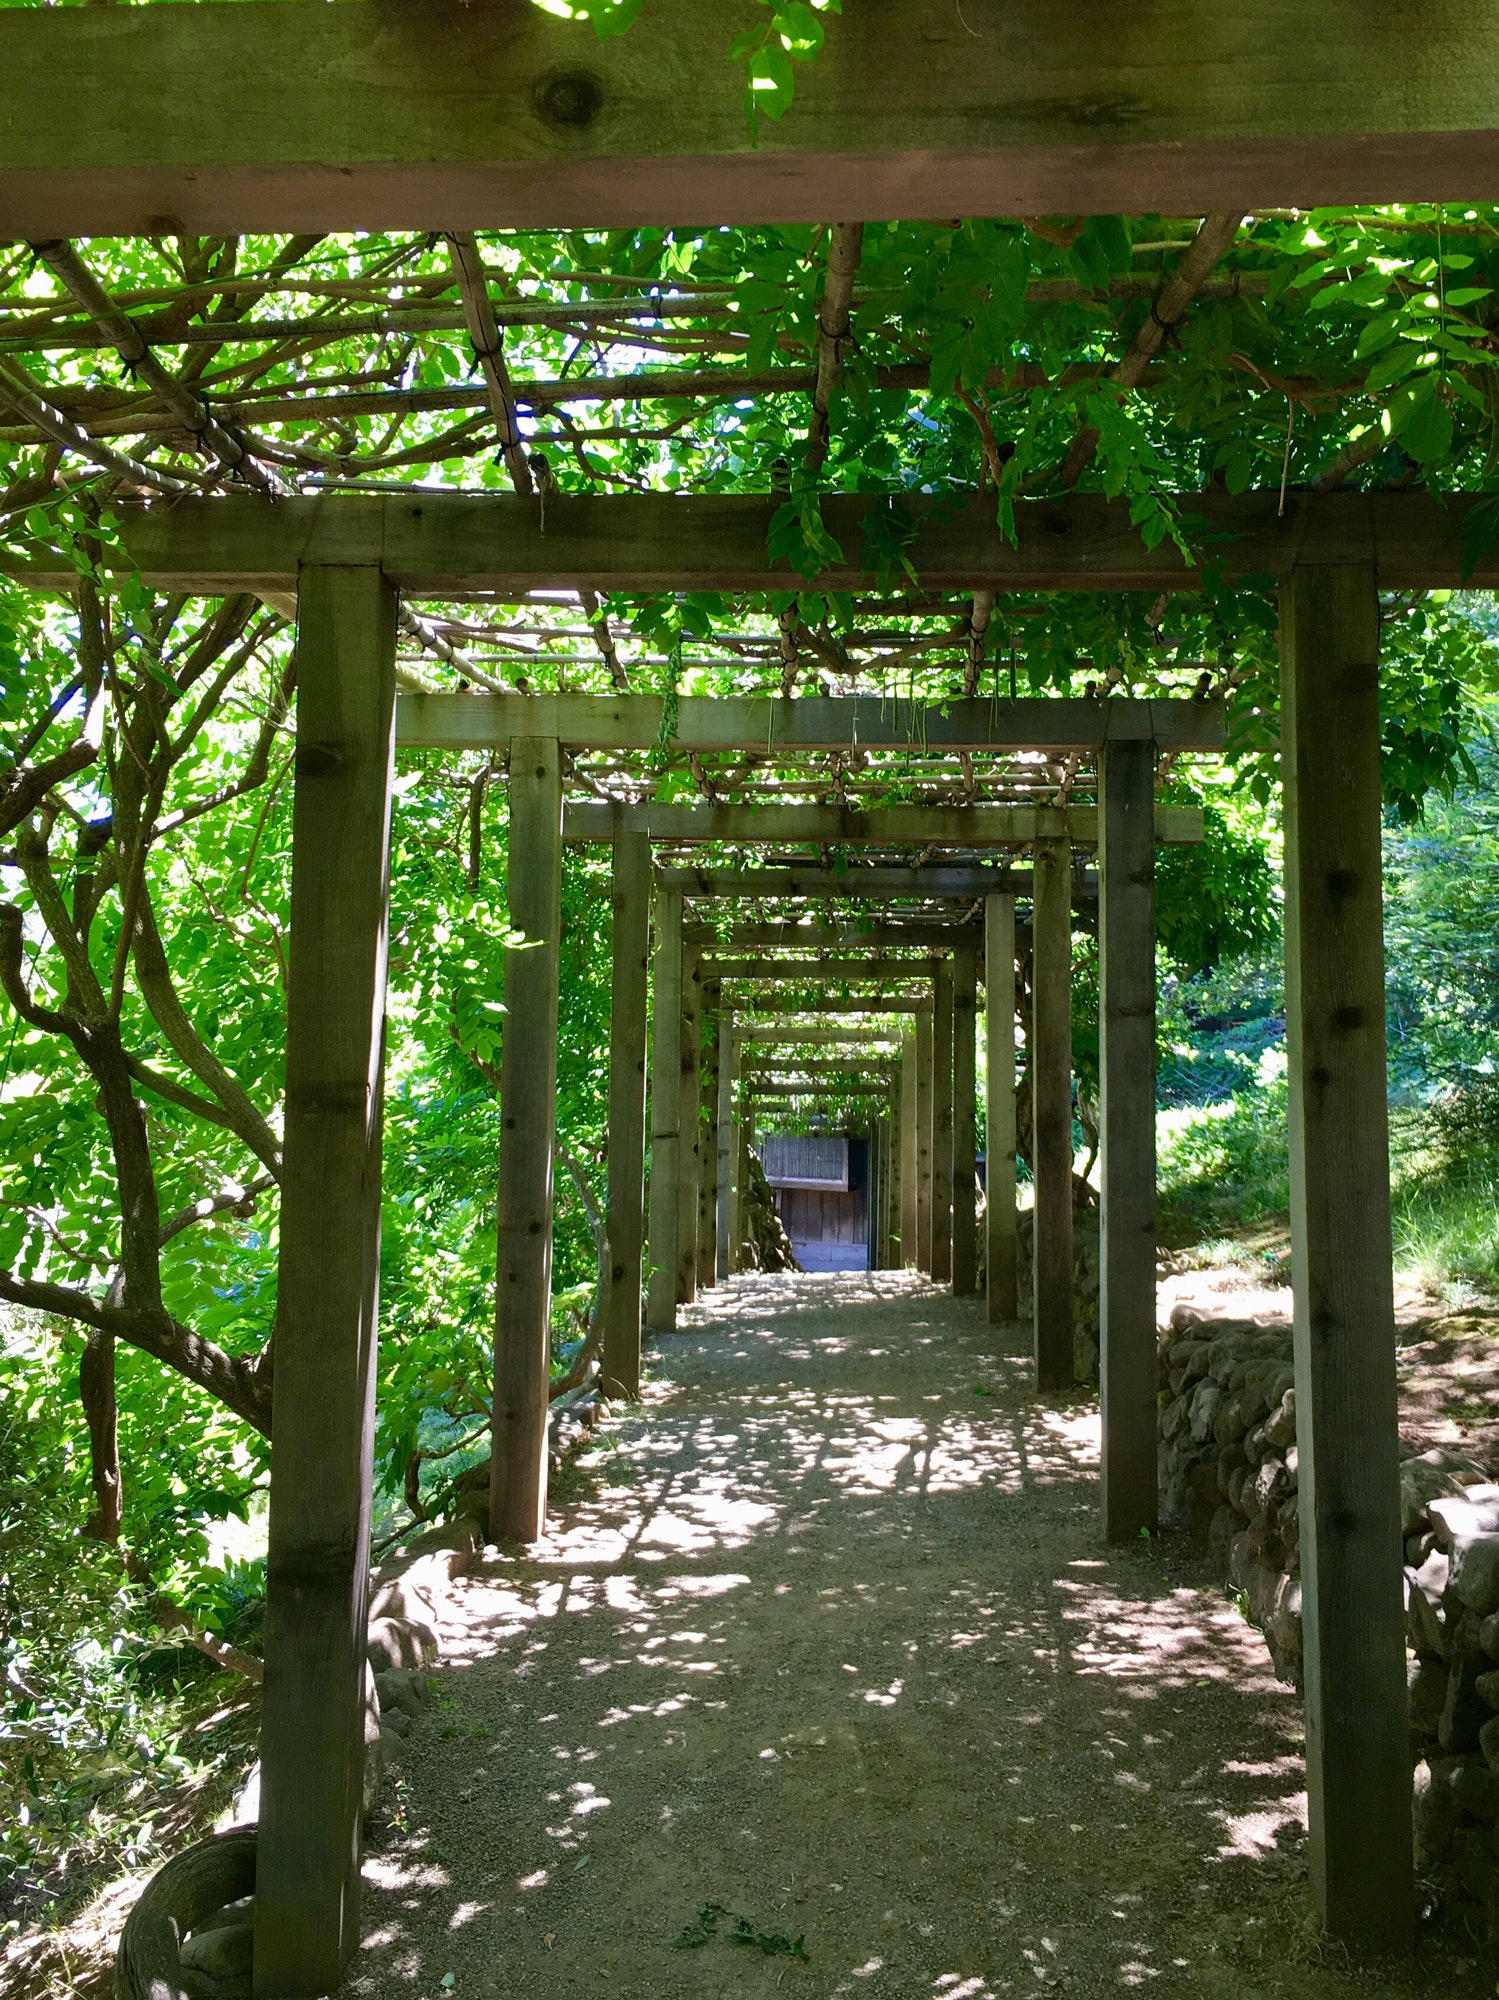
(570, 98)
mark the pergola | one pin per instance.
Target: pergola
(286, 117)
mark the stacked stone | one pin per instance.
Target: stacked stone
(767, 1247)
(1228, 1462)
(1451, 1521)
(1228, 1466)
(1084, 1286)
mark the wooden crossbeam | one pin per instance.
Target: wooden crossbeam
(931, 937)
(872, 969)
(810, 722)
(763, 1032)
(875, 884)
(291, 117)
(828, 1087)
(874, 1005)
(879, 826)
(454, 545)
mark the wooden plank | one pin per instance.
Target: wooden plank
(454, 545)
(727, 1134)
(930, 935)
(312, 1733)
(877, 1005)
(389, 117)
(908, 1151)
(1127, 1215)
(630, 897)
(707, 1183)
(690, 1125)
(665, 1113)
(924, 1153)
(826, 1090)
(875, 884)
(1000, 1252)
(869, 968)
(528, 1130)
(1358, 1758)
(942, 1047)
(479, 721)
(1051, 1117)
(881, 826)
(964, 1111)
(759, 1031)
(772, 1066)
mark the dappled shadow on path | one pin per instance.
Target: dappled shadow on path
(829, 1639)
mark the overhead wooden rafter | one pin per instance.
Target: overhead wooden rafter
(453, 545)
(365, 116)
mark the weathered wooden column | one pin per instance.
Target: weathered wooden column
(999, 1110)
(942, 1046)
(312, 1732)
(908, 1150)
(666, 1111)
(689, 1126)
(1051, 1113)
(1357, 1751)
(528, 1128)
(707, 1184)
(894, 1151)
(924, 1137)
(1126, 1062)
(728, 1068)
(631, 897)
(964, 1117)
(746, 1147)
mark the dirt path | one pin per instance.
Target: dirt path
(827, 1638)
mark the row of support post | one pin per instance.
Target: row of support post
(312, 1743)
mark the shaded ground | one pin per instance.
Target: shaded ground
(826, 1637)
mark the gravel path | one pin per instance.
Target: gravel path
(825, 1640)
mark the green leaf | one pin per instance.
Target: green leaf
(1422, 422)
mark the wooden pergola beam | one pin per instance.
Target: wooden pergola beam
(762, 1033)
(875, 1005)
(454, 545)
(879, 826)
(931, 937)
(395, 116)
(877, 884)
(874, 969)
(808, 722)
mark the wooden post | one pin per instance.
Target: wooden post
(924, 1137)
(689, 1125)
(312, 1733)
(1126, 1061)
(707, 1184)
(747, 1146)
(999, 1109)
(908, 1151)
(728, 1065)
(964, 1114)
(666, 1111)
(631, 896)
(1051, 1118)
(528, 1126)
(1357, 1753)
(942, 1045)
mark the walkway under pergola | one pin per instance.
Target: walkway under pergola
(965, 820)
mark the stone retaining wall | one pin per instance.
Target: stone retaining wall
(1228, 1466)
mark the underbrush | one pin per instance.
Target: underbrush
(1446, 1200)
(1224, 1172)
(115, 1742)
(1224, 1165)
